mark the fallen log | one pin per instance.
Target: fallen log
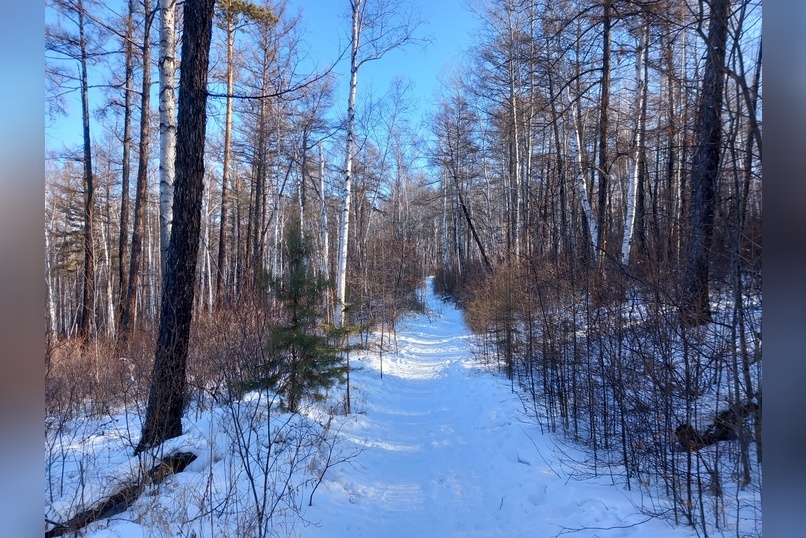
(125, 497)
(724, 428)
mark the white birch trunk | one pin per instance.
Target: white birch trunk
(632, 186)
(681, 140)
(110, 303)
(151, 272)
(527, 176)
(275, 215)
(52, 321)
(344, 228)
(516, 165)
(581, 187)
(167, 63)
(208, 273)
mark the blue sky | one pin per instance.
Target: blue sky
(325, 27)
(448, 23)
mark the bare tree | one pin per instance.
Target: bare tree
(234, 14)
(633, 193)
(604, 118)
(695, 308)
(125, 175)
(378, 26)
(129, 313)
(67, 45)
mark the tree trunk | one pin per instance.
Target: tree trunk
(167, 64)
(325, 252)
(110, 302)
(88, 288)
(587, 211)
(638, 161)
(129, 315)
(515, 157)
(604, 106)
(695, 308)
(123, 238)
(472, 228)
(52, 320)
(168, 389)
(323, 213)
(301, 184)
(344, 228)
(222, 231)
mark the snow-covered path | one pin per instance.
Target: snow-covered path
(447, 452)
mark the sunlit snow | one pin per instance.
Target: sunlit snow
(438, 446)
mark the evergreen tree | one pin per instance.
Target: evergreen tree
(304, 361)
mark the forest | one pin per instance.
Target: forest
(585, 188)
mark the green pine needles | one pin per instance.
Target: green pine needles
(304, 360)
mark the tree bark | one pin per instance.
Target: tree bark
(168, 389)
(344, 227)
(472, 228)
(123, 238)
(222, 231)
(167, 64)
(604, 106)
(129, 315)
(515, 158)
(695, 308)
(88, 288)
(638, 160)
(587, 211)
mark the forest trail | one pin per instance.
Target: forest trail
(447, 451)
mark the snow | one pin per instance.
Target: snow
(437, 446)
(448, 451)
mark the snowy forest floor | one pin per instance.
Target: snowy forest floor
(436, 446)
(449, 451)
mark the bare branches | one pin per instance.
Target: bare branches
(308, 82)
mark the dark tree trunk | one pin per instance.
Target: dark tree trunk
(222, 230)
(123, 240)
(695, 309)
(88, 288)
(129, 314)
(472, 228)
(604, 106)
(167, 395)
(640, 203)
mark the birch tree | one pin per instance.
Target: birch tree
(638, 152)
(378, 26)
(323, 231)
(582, 189)
(167, 64)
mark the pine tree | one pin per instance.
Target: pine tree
(304, 362)
(168, 391)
